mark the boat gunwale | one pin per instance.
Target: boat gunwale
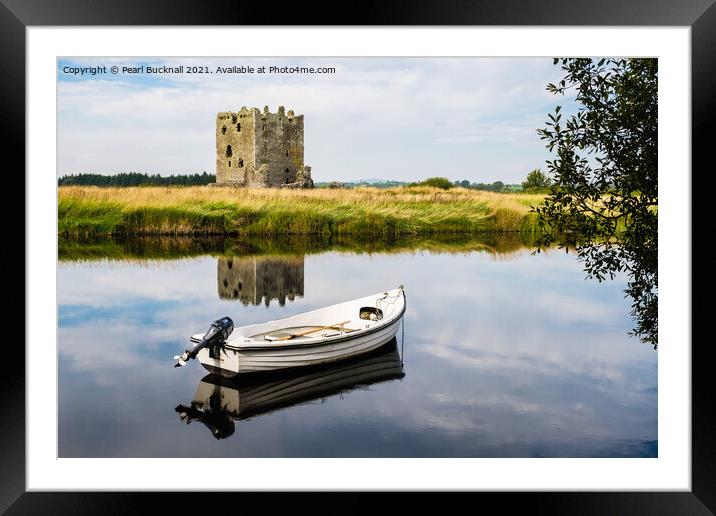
(320, 341)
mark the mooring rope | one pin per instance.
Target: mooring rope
(402, 324)
(402, 336)
(385, 296)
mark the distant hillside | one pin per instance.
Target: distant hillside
(136, 179)
(375, 183)
(497, 186)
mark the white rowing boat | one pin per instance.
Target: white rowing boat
(321, 336)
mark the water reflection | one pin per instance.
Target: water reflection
(218, 402)
(499, 245)
(256, 279)
(511, 354)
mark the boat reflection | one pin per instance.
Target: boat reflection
(256, 279)
(218, 401)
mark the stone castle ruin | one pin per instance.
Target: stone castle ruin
(261, 149)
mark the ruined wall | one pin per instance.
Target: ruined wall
(264, 149)
(256, 280)
(279, 145)
(235, 147)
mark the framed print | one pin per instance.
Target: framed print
(319, 257)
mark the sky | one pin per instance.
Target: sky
(403, 119)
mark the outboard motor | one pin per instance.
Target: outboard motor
(217, 334)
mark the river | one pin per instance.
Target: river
(502, 353)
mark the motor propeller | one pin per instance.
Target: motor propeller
(217, 334)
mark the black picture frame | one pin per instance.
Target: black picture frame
(700, 15)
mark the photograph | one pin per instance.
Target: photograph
(357, 257)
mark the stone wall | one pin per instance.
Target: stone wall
(235, 145)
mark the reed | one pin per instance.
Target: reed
(203, 210)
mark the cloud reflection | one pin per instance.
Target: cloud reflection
(502, 358)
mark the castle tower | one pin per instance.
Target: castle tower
(261, 149)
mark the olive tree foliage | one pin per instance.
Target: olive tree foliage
(604, 198)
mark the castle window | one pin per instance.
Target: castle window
(229, 163)
(233, 119)
(229, 152)
(241, 163)
(288, 179)
(287, 153)
(264, 127)
(238, 128)
(223, 130)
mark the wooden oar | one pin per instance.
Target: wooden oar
(301, 334)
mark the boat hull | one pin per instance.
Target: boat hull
(231, 361)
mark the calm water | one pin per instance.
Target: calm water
(503, 354)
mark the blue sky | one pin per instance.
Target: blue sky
(389, 118)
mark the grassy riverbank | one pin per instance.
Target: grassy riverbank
(203, 210)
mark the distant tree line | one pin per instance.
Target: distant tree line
(497, 186)
(446, 184)
(136, 179)
(536, 182)
(357, 184)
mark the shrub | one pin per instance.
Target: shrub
(438, 182)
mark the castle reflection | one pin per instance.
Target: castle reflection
(256, 279)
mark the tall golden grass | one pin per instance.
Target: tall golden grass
(88, 211)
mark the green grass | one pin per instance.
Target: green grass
(85, 212)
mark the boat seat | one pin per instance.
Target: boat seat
(274, 335)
